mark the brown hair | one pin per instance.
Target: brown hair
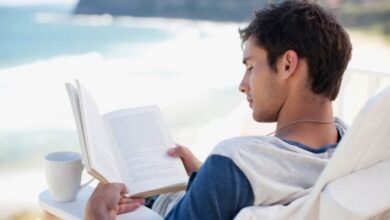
(312, 33)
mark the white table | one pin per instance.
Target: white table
(75, 210)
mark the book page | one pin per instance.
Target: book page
(75, 103)
(143, 139)
(100, 150)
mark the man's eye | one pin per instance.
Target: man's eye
(249, 68)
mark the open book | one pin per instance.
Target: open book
(127, 145)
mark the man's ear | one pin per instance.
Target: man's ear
(288, 63)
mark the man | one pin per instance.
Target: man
(295, 55)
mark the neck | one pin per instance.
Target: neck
(307, 121)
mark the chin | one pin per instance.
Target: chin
(263, 117)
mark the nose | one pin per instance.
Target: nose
(244, 86)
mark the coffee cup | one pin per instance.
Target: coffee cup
(63, 175)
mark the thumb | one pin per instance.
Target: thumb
(120, 188)
(123, 188)
(180, 151)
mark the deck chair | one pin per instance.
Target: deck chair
(356, 182)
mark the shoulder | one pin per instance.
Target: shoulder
(275, 169)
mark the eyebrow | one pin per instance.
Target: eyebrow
(244, 61)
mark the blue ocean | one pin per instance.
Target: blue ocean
(141, 60)
(31, 33)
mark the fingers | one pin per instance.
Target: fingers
(107, 201)
(128, 200)
(128, 205)
(124, 208)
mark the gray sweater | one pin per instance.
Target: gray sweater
(252, 171)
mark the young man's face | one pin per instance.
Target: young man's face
(261, 84)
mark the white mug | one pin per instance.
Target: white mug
(63, 175)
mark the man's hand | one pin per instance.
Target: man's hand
(191, 163)
(107, 201)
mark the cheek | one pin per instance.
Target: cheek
(267, 100)
(258, 86)
(255, 82)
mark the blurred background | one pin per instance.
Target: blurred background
(183, 55)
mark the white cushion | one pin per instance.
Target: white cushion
(360, 195)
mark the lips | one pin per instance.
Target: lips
(250, 102)
(249, 99)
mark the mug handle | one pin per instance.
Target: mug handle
(87, 183)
